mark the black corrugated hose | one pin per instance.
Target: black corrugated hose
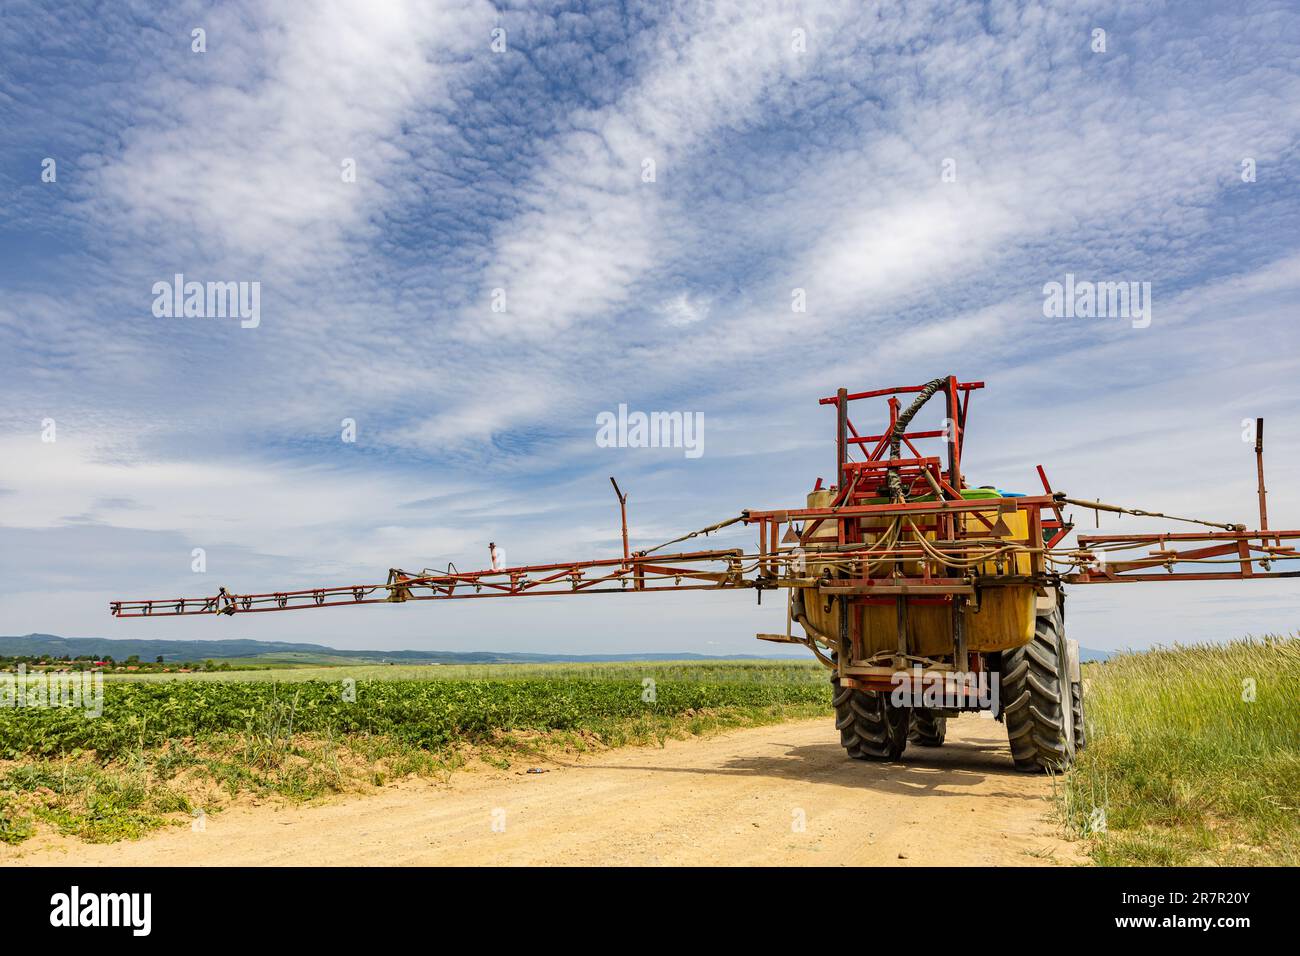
(894, 483)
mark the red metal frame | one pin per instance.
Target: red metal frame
(871, 470)
(929, 530)
(575, 577)
(1215, 545)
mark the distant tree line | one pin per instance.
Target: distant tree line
(106, 662)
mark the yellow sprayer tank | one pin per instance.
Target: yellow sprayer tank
(1002, 618)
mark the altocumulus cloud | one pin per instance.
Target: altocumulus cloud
(793, 147)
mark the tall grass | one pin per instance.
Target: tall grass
(1193, 756)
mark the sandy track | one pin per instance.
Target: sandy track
(732, 799)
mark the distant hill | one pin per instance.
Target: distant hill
(32, 645)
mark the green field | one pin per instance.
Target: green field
(171, 745)
(1193, 757)
(743, 671)
(1193, 753)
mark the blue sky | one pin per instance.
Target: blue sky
(795, 146)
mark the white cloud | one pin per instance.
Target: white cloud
(593, 226)
(773, 169)
(682, 310)
(243, 157)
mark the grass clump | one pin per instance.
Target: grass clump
(1193, 757)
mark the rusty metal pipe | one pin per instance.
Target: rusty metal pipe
(1259, 468)
(622, 510)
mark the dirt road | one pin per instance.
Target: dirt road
(780, 795)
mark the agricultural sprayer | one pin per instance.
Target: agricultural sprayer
(924, 596)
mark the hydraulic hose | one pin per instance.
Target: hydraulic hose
(800, 613)
(892, 480)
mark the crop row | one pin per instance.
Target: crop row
(429, 713)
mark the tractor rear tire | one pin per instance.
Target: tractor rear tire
(1076, 701)
(1037, 699)
(871, 728)
(928, 728)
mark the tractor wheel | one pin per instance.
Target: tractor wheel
(870, 727)
(1076, 700)
(928, 728)
(1036, 694)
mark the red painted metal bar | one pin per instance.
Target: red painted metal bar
(622, 511)
(483, 583)
(870, 438)
(1091, 577)
(1061, 526)
(1259, 468)
(126, 611)
(841, 436)
(953, 406)
(1217, 544)
(914, 507)
(881, 392)
(886, 463)
(1156, 537)
(1155, 561)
